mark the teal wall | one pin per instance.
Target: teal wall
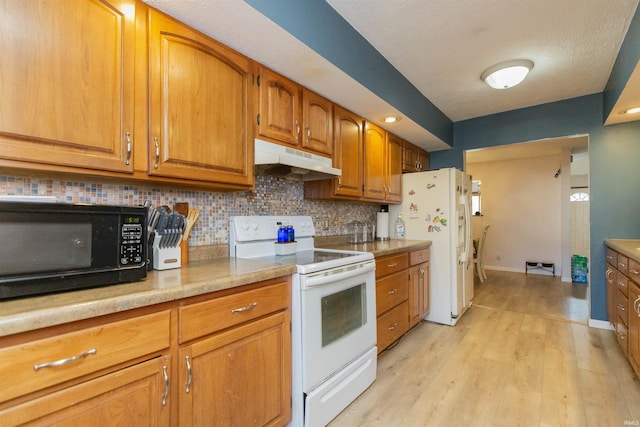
(614, 166)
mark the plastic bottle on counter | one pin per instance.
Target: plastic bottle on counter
(400, 235)
(282, 234)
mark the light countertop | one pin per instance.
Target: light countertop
(627, 247)
(196, 278)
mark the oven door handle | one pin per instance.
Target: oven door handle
(339, 273)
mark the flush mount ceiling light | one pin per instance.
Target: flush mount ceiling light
(507, 74)
(390, 119)
(633, 110)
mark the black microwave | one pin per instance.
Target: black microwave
(54, 247)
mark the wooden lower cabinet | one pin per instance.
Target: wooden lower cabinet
(392, 298)
(418, 285)
(623, 303)
(240, 377)
(634, 326)
(219, 359)
(132, 396)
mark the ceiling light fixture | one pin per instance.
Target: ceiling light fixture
(391, 119)
(507, 74)
(633, 110)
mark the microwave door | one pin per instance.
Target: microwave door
(44, 247)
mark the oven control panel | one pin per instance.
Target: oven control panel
(256, 228)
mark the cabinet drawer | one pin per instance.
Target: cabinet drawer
(623, 264)
(80, 353)
(418, 257)
(622, 307)
(634, 271)
(391, 291)
(611, 256)
(391, 264)
(197, 320)
(392, 325)
(622, 335)
(622, 283)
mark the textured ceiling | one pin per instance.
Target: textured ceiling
(441, 47)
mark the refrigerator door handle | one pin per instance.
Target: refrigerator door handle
(464, 256)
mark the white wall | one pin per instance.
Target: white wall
(521, 200)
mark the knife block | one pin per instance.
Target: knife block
(165, 258)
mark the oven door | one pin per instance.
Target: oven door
(338, 309)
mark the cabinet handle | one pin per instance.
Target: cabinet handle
(393, 291)
(308, 133)
(392, 327)
(609, 257)
(339, 181)
(165, 394)
(634, 271)
(64, 361)
(621, 307)
(155, 141)
(247, 308)
(621, 265)
(126, 161)
(635, 306)
(394, 265)
(609, 272)
(621, 284)
(189, 374)
(297, 130)
(421, 271)
(621, 335)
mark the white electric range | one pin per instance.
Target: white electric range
(333, 315)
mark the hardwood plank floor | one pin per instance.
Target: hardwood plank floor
(524, 357)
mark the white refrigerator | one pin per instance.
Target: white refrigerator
(436, 206)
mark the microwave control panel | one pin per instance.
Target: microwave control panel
(131, 243)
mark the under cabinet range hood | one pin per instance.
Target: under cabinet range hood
(286, 162)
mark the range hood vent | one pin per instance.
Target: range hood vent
(286, 162)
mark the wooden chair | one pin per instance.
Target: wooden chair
(477, 260)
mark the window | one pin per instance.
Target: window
(579, 196)
(476, 202)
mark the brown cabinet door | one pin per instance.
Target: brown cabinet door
(279, 108)
(410, 157)
(424, 290)
(634, 326)
(375, 165)
(67, 83)
(394, 168)
(317, 116)
(348, 152)
(239, 377)
(423, 161)
(414, 296)
(200, 106)
(134, 396)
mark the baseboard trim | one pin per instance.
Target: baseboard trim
(600, 324)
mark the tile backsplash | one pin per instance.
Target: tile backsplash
(271, 196)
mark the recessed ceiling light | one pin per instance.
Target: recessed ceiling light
(633, 110)
(507, 74)
(391, 119)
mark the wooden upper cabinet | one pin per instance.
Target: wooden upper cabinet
(414, 159)
(349, 155)
(317, 119)
(394, 168)
(67, 83)
(200, 106)
(375, 165)
(278, 116)
(410, 158)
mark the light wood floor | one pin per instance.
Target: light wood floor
(514, 361)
